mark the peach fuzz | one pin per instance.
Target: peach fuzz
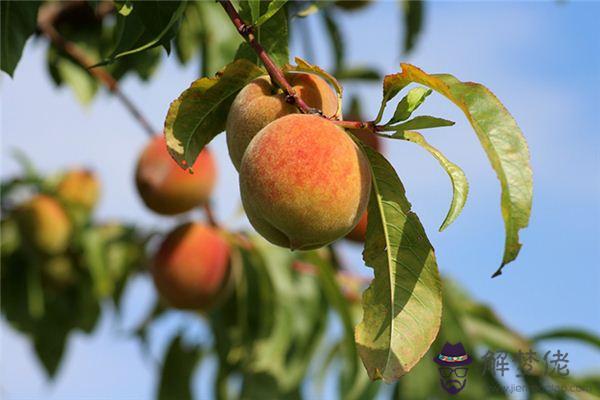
(168, 189)
(191, 266)
(304, 182)
(260, 103)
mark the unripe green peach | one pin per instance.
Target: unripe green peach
(191, 267)
(168, 189)
(80, 188)
(304, 182)
(259, 103)
(44, 224)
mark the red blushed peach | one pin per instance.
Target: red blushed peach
(260, 103)
(168, 189)
(191, 266)
(44, 224)
(304, 182)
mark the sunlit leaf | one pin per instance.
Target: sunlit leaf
(200, 112)
(460, 186)
(409, 103)
(402, 306)
(19, 21)
(420, 122)
(501, 139)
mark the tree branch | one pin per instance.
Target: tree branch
(277, 76)
(52, 12)
(247, 32)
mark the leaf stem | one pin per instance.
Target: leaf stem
(47, 17)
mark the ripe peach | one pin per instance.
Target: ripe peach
(44, 223)
(168, 189)
(304, 182)
(260, 103)
(79, 188)
(191, 266)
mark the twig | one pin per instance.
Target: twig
(277, 76)
(48, 15)
(210, 216)
(247, 32)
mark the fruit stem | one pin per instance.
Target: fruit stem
(52, 12)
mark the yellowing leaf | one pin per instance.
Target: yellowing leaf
(460, 186)
(501, 139)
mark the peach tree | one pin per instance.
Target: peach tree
(310, 173)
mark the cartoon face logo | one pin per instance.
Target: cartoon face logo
(452, 362)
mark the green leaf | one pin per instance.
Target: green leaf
(123, 7)
(392, 85)
(49, 344)
(358, 73)
(254, 10)
(19, 21)
(336, 40)
(335, 297)
(149, 24)
(177, 370)
(304, 66)
(501, 139)
(272, 9)
(272, 35)
(571, 334)
(402, 307)
(413, 22)
(94, 257)
(200, 112)
(460, 186)
(67, 71)
(409, 103)
(420, 122)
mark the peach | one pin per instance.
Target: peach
(44, 224)
(304, 182)
(168, 189)
(79, 188)
(260, 103)
(191, 266)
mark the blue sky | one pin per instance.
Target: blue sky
(541, 59)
